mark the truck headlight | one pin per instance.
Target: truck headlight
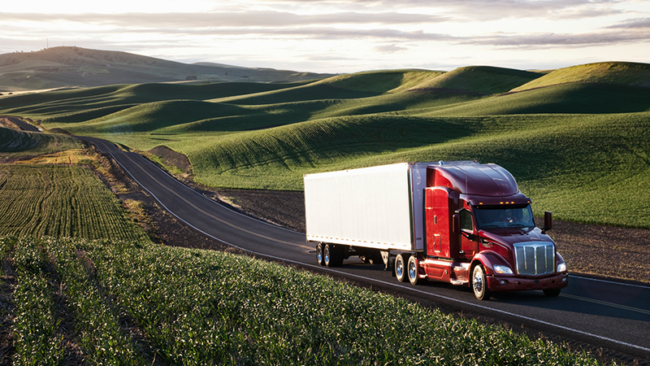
(561, 267)
(502, 269)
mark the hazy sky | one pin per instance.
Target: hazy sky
(341, 36)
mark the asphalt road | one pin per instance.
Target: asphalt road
(600, 312)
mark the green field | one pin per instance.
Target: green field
(196, 307)
(576, 139)
(60, 201)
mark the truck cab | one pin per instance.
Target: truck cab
(480, 232)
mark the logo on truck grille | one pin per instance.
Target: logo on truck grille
(535, 258)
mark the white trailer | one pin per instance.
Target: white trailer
(366, 212)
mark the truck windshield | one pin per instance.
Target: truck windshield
(501, 217)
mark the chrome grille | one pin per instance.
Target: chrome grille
(534, 259)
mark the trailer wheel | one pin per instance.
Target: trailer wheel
(479, 283)
(400, 267)
(552, 292)
(327, 255)
(332, 255)
(413, 270)
(319, 254)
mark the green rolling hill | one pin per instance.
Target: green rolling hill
(32, 143)
(576, 139)
(622, 73)
(483, 80)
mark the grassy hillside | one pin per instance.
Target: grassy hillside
(389, 81)
(31, 143)
(79, 105)
(570, 140)
(574, 98)
(622, 73)
(187, 307)
(483, 80)
(74, 66)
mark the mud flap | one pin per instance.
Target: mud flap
(385, 256)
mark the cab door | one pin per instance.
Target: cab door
(468, 242)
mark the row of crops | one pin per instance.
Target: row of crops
(60, 201)
(139, 303)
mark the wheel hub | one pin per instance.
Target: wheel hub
(478, 282)
(412, 270)
(399, 269)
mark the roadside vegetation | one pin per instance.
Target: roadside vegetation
(583, 135)
(198, 307)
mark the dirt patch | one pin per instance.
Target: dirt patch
(170, 157)
(604, 250)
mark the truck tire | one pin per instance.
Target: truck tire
(412, 270)
(332, 255)
(479, 283)
(400, 267)
(319, 254)
(552, 292)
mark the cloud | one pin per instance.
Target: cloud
(225, 19)
(389, 48)
(637, 23)
(482, 9)
(552, 39)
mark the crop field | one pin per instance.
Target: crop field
(572, 137)
(136, 302)
(60, 201)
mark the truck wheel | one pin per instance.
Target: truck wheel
(479, 283)
(327, 255)
(400, 268)
(552, 292)
(319, 254)
(332, 255)
(412, 270)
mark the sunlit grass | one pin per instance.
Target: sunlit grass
(198, 307)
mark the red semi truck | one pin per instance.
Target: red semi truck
(459, 222)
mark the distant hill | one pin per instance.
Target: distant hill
(382, 81)
(483, 80)
(60, 67)
(620, 73)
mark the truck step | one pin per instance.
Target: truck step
(456, 282)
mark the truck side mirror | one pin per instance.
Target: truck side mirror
(548, 222)
(456, 219)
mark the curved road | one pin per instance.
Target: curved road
(604, 313)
